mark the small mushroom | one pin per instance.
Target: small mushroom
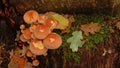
(32, 27)
(20, 61)
(37, 47)
(45, 54)
(33, 37)
(27, 33)
(51, 23)
(29, 53)
(52, 41)
(35, 62)
(22, 38)
(41, 19)
(22, 31)
(22, 27)
(41, 31)
(31, 16)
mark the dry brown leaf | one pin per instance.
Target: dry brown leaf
(90, 28)
(118, 25)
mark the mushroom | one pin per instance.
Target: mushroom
(35, 62)
(31, 16)
(32, 27)
(52, 41)
(51, 23)
(33, 57)
(37, 47)
(29, 41)
(33, 37)
(29, 53)
(22, 27)
(22, 38)
(41, 19)
(22, 31)
(20, 61)
(45, 54)
(41, 31)
(26, 33)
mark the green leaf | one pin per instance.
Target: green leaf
(75, 41)
(62, 20)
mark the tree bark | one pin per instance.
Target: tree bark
(68, 6)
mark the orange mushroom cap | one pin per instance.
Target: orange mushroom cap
(22, 38)
(33, 37)
(26, 33)
(20, 61)
(32, 27)
(37, 47)
(31, 16)
(29, 53)
(35, 62)
(42, 18)
(52, 41)
(51, 23)
(22, 27)
(41, 31)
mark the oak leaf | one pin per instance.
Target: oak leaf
(91, 28)
(75, 40)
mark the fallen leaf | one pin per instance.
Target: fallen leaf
(62, 20)
(75, 40)
(91, 28)
(71, 20)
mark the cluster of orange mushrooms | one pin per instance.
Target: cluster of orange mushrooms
(39, 35)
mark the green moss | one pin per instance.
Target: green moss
(75, 56)
(92, 39)
(97, 19)
(101, 36)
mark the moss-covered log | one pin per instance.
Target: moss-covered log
(56, 58)
(68, 6)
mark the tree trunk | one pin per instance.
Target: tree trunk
(68, 6)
